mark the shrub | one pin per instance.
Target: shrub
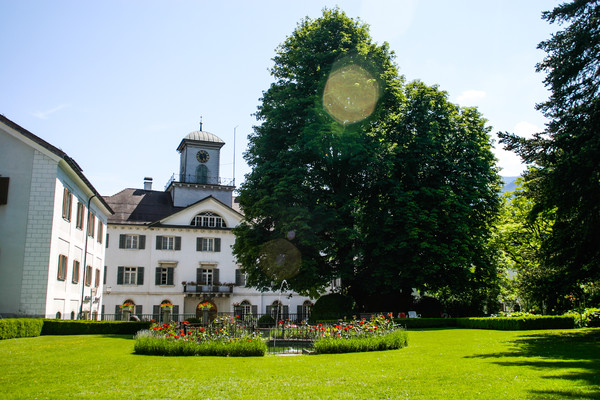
(266, 321)
(591, 317)
(332, 306)
(421, 323)
(20, 327)
(519, 323)
(83, 327)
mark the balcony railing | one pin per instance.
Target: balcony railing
(204, 180)
(208, 289)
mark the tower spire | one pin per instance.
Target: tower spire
(201, 123)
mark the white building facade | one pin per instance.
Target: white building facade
(175, 246)
(52, 230)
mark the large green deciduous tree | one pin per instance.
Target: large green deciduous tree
(566, 177)
(357, 176)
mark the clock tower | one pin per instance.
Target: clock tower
(199, 171)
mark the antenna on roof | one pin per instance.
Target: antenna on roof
(201, 123)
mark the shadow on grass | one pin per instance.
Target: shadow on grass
(577, 351)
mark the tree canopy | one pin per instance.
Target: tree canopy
(360, 177)
(565, 179)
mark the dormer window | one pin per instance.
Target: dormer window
(208, 220)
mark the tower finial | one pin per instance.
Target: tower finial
(201, 123)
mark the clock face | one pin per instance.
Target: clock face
(202, 156)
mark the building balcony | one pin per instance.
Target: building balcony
(207, 291)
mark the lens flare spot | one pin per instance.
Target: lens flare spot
(351, 94)
(279, 259)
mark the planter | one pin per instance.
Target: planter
(126, 314)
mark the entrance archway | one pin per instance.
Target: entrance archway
(212, 312)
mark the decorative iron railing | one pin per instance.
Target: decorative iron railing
(201, 180)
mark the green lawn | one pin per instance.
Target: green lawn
(437, 364)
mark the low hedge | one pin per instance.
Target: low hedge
(421, 323)
(20, 327)
(83, 327)
(518, 323)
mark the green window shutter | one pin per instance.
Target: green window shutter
(120, 273)
(170, 272)
(159, 243)
(121, 241)
(199, 276)
(138, 309)
(269, 309)
(142, 242)
(286, 312)
(299, 315)
(157, 276)
(198, 244)
(215, 275)
(155, 312)
(175, 313)
(117, 313)
(217, 244)
(140, 275)
(254, 310)
(177, 242)
(240, 278)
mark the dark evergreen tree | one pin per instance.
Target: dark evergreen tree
(566, 156)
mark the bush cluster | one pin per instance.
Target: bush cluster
(528, 322)
(83, 327)
(20, 327)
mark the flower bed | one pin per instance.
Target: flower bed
(230, 337)
(223, 338)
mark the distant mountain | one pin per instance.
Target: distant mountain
(509, 183)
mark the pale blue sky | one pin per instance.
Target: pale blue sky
(118, 84)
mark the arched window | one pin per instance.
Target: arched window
(306, 307)
(202, 174)
(208, 220)
(58, 315)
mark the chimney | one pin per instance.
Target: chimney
(147, 183)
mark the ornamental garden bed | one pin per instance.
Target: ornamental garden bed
(228, 336)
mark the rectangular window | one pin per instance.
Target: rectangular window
(91, 224)
(66, 206)
(164, 275)
(100, 231)
(88, 275)
(132, 241)
(80, 215)
(168, 243)
(75, 278)
(62, 267)
(207, 276)
(97, 278)
(208, 244)
(4, 189)
(130, 277)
